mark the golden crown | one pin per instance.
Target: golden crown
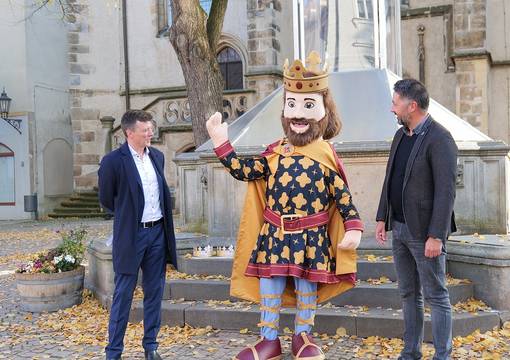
(294, 77)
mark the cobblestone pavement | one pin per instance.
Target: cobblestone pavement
(22, 337)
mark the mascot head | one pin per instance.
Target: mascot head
(309, 111)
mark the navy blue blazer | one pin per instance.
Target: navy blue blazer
(120, 191)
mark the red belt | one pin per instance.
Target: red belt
(295, 223)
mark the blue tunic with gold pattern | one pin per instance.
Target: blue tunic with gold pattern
(301, 186)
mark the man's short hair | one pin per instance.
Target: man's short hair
(412, 89)
(130, 118)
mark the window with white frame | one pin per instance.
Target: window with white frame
(365, 10)
(7, 195)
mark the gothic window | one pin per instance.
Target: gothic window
(231, 67)
(6, 176)
(365, 10)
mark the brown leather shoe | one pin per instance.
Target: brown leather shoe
(262, 350)
(303, 348)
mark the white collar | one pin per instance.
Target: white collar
(134, 153)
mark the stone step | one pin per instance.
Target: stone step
(363, 294)
(79, 204)
(77, 215)
(92, 194)
(69, 210)
(355, 321)
(223, 266)
(81, 198)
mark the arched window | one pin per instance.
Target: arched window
(7, 196)
(231, 67)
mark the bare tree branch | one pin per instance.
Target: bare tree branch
(65, 8)
(215, 22)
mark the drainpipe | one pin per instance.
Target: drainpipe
(126, 54)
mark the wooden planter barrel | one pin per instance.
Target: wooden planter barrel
(50, 292)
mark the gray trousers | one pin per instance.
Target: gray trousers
(417, 273)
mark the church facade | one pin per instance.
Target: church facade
(117, 57)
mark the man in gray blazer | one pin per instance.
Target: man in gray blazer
(417, 205)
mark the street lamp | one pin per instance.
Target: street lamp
(5, 104)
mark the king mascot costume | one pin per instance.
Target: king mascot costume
(299, 228)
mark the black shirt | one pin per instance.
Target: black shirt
(398, 173)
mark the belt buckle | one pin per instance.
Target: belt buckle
(289, 216)
(147, 224)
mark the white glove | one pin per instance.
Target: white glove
(351, 240)
(217, 130)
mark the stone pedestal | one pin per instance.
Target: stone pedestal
(485, 260)
(101, 275)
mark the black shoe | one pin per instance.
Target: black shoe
(111, 358)
(152, 355)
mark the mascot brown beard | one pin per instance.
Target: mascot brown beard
(327, 127)
(298, 220)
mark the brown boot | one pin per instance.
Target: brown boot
(262, 350)
(303, 348)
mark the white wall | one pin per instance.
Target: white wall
(152, 61)
(13, 54)
(18, 143)
(48, 83)
(35, 72)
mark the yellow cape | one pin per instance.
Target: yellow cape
(247, 287)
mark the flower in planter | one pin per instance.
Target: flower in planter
(66, 257)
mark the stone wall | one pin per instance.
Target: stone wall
(264, 55)
(472, 62)
(84, 120)
(466, 61)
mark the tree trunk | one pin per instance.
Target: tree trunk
(194, 38)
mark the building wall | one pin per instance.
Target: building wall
(437, 32)
(467, 58)
(35, 74)
(13, 74)
(96, 60)
(18, 143)
(47, 81)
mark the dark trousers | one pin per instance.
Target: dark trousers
(416, 272)
(151, 257)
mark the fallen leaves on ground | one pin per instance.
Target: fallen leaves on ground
(491, 345)
(450, 280)
(16, 259)
(49, 232)
(471, 305)
(374, 258)
(87, 323)
(172, 274)
(37, 234)
(379, 281)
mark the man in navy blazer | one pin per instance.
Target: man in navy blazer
(132, 186)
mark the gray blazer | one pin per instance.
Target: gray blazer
(429, 184)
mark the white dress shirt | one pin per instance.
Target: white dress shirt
(152, 206)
